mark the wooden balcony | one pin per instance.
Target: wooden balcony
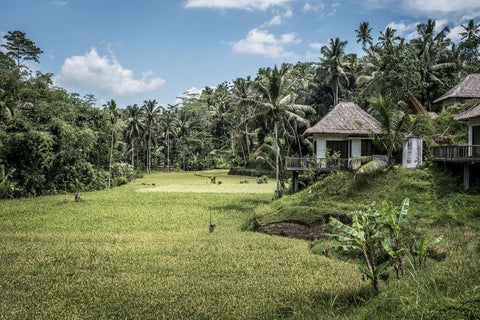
(456, 153)
(323, 164)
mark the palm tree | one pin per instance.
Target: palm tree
(388, 38)
(152, 113)
(134, 126)
(170, 125)
(364, 35)
(472, 31)
(432, 48)
(114, 113)
(394, 125)
(242, 96)
(276, 102)
(333, 64)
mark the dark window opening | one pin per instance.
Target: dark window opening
(340, 146)
(476, 135)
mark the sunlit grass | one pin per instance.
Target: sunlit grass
(123, 253)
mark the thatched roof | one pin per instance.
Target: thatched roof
(346, 118)
(473, 112)
(467, 88)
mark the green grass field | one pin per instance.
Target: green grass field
(143, 251)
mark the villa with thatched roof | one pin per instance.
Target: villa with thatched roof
(468, 88)
(466, 155)
(346, 129)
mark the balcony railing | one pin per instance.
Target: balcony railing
(324, 164)
(456, 152)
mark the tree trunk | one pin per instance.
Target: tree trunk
(168, 153)
(246, 134)
(133, 154)
(149, 152)
(277, 151)
(110, 163)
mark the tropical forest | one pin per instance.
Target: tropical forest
(195, 210)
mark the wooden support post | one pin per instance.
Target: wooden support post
(466, 176)
(295, 181)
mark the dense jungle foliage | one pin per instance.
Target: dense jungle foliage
(52, 140)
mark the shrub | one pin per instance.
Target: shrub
(119, 181)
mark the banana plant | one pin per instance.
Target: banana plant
(394, 220)
(420, 249)
(372, 233)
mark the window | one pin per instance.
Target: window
(340, 146)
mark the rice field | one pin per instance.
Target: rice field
(144, 251)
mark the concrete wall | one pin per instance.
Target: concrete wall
(412, 153)
(356, 148)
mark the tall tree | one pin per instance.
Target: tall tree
(170, 125)
(277, 104)
(394, 125)
(134, 126)
(20, 48)
(113, 113)
(388, 38)
(152, 112)
(334, 63)
(363, 34)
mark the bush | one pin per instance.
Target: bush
(122, 169)
(119, 181)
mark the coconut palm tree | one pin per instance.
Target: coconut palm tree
(170, 126)
(276, 103)
(432, 48)
(388, 38)
(472, 31)
(134, 127)
(152, 113)
(114, 113)
(364, 35)
(242, 97)
(394, 125)
(334, 64)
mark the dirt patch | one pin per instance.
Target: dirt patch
(296, 230)
(302, 230)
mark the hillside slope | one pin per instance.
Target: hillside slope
(450, 286)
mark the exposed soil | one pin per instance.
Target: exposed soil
(293, 229)
(302, 230)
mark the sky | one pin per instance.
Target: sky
(132, 51)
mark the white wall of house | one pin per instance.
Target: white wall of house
(356, 148)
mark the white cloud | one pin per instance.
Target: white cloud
(279, 18)
(471, 15)
(454, 34)
(313, 7)
(276, 20)
(316, 45)
(105, 75)
(321, 8)
(236, 4)
(263, 43)
(60, 3)
(442, 6)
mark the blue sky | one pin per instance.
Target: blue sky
(131, 51)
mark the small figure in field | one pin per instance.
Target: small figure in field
(77, 196)
(213, 179)
(212, 226)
